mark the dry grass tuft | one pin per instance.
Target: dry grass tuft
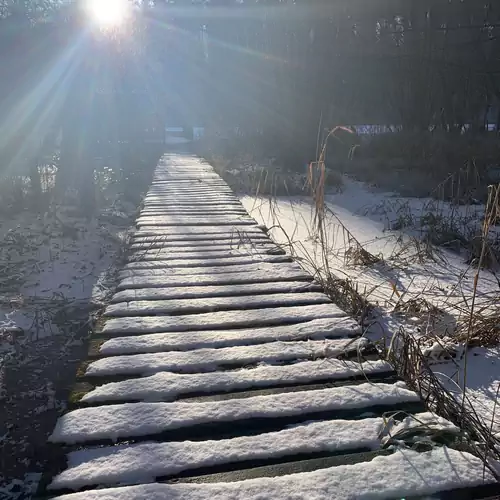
(417, 306)
(347, 295)
(406, 355)
(483, 330)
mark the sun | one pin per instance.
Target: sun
(108, 13)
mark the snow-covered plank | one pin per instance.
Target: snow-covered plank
(235, 251)
(195, 221)
(195, 198)
(262, 246)
(189, 188)
(173, 242)
(213, 190)
(201, 196)
(318, 329)
(403, 474)
(187, 306)
(214, 291)
(194, 177)
(182, 240)
(234, 246)
(207, 195)
(225, 319)
(191, 192)
(206, 360)
(152, 255)
(201, 252)
(192, 211)
(198, 231)
(143, 419)
(169, 180)
(212, 183)
(182, 203)
(167, 386)
(179, 280)
(143, 463)
(166, 269)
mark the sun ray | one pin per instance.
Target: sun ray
(108, 13)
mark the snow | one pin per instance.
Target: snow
(197, 232)
(483, 380)
(200, 238)
(209, 241)
(184, 306)
(227, 267)
(316, 330)
(56, 270)
(215, 291)
(446, 282)
(173, 281)
(165, 386)
(169, 255)
(135, 464)
(209, 359)
(209, 247)
(223, 319)
(404, 473)
(195, 221)
(155, 268)
(218, 210)
(201, 261)
(181, 203)
(142, 419)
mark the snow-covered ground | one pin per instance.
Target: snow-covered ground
(390, 227)
(56, 270)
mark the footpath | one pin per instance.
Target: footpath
(222, 371)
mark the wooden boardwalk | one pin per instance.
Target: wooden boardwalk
(221, 360)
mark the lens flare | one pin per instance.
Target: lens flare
(108, 13)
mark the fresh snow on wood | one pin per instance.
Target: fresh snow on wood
(215, 291)
(160, 200)
(233, 245)
(155, 212)
(183, 203)
(205, 197)
(192, 210)
(143, 463)
(154, 268)
(143, 419)
(166, 386)
(194, 221)
(185, 306)
(202, 360)
(225, 319)
(190, 193)
(265, 276)
(167, 254)
(198, 231)
(318, 329)
(404, 473)
(230, 268)
(209, 241)
(204, 262)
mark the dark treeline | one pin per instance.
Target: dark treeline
(277, 67)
